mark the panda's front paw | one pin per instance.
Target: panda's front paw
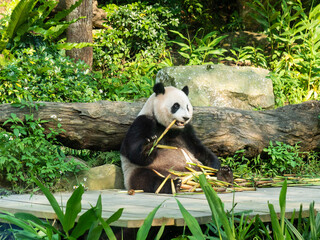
(152, 138)
(177, 184)
(146, 150)
(225, 174)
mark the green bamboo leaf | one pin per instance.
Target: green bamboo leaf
(29, 217)
(160, 232)
(293, 230)
(53, 202)
(95, 232)
(18, 222)
(275, 223)
(72, 209)
(218, 213)
(191, 222)
(282, 202)
(114, 217)
(217, 40)
(313, 227)
(145, 228)
(184, 55)
(84, 223)
(107, 229)
(181, 35)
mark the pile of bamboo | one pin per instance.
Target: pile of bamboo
(190, 181)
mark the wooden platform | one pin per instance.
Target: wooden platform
(138, 206)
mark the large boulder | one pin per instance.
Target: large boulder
(222, 86)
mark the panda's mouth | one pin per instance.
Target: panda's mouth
(179, 124)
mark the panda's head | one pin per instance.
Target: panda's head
(171, 103)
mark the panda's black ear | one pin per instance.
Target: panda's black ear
(158, 88)
(185, 89)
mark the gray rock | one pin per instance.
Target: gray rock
(107, 176)
(222, 86)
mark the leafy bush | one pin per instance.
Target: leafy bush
(28, 16)
(294, 53)
(199, 50)
(277, 159)
(45, 75)
(129, 50)
(283, 157)
(27, 151)
(136, 28)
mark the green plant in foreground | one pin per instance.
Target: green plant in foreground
(90, 222)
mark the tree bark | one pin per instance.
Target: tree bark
(102, 125)
(80, 31)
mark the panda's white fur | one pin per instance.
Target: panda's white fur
(161, 108)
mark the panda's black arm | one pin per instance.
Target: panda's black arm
(138, 141)
(201, 152)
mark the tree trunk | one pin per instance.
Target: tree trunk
(102, 125)
(80, 31)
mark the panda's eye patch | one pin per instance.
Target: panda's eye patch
(175, 107)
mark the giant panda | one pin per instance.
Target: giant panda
(161, 108)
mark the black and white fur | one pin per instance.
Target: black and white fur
(162, 107)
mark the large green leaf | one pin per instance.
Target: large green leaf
(191, 222)
(282, 202)
(51, 199)
(219, 215)
(73, 208)
(19, 16)
(145, 228)
(275, 223)
(18, 222)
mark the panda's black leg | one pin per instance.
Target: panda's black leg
(148, 181)
(225, 174)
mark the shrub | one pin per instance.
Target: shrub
(294, 55)
(27, 151)
(45, 75)
(283, 157)
(129, 50)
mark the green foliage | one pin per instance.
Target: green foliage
(28, 151)
(28, 17)
(294, 55)
(129, 49)
(45, 75)
(283, 158)
(94, 158)
(90, 222)
(199, 50)
(278, 159)
(254, 55)
(136, 28)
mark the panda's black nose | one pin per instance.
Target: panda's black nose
(186, 118)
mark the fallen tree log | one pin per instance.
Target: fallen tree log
(102, 125)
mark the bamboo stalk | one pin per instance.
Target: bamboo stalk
(173, 188)
(166, 147)
(159, 174)
(161, 136)
(162, 184)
